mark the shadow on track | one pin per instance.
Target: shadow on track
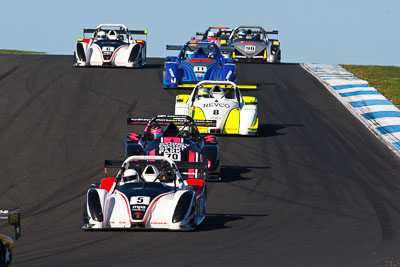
(234, 173)
(268, 130)
(153, 66)
(219, 221)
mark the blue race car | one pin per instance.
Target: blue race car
(197, 61)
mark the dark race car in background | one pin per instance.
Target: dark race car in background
(177, 137)
(252, 44)
(216, 34)
(197, 61)
(111, 45)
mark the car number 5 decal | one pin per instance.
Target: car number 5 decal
(140, 200)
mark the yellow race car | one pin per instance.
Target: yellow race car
(7, 243)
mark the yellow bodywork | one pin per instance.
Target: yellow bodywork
(182, 98)
(250, 100)
(197, 114)
(232, 122)
(254, 128)
(240, 86)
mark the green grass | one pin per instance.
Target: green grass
(5, 51)
(386, 79)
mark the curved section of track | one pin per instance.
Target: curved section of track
(315, 188)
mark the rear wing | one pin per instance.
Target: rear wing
(226, 49)
(118, 31)
(178, 120)
(174, 47)
(179, 164)
(143, 32)
(89, 30)
(272, 32)
(14, 218)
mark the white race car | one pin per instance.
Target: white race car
(111, 45)
(221, 101)
(147, 193)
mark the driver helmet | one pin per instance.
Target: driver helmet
(189, 54)
(101, 35)
(156, 131)
(112, 35)
(210, 34)
(203, 93)
(242, 33)
(249, 34)
(130, 175)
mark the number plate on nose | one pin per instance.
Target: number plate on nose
(108, 48)
(140, 200)
(200, 68)
(249, 48)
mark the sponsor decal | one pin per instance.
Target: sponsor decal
(200, 60)
(158, 223)
(107, 51)
(139, 207)
(228, 75)
(172, 150)
(216, 105)
(173, 78)
(209, 138)
(133, 136)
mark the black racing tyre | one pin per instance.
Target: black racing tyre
(215, 175)
(2, 256)
(193, 221)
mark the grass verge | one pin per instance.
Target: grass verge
(6, 51)
(386, 79)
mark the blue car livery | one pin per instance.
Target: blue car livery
(197, 61)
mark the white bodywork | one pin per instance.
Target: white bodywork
(119, 56)
(117, 208)
(218, 107)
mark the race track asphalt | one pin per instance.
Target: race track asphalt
(314, 189)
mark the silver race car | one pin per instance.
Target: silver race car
(111, 45)
(147, 193)
(252, 44)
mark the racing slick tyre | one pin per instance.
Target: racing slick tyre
(193, 220)
(215, 175)
(2, 256)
